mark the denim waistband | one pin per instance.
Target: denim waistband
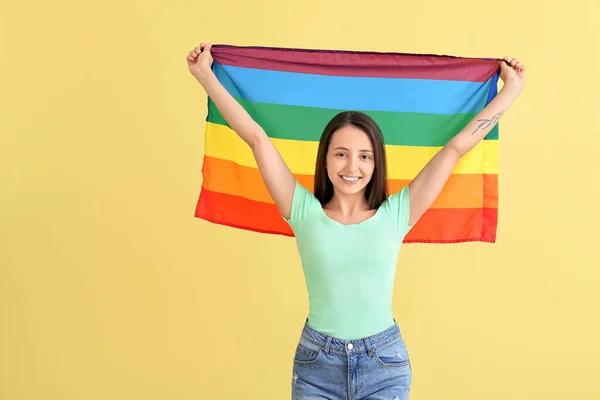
(364, 345)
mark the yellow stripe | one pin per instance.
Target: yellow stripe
(404, 162)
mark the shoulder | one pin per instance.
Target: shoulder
(397, 208)
(304, 204)
(397, 200)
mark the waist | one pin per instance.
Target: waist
(366, 344)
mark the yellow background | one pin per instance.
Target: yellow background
(110, 289)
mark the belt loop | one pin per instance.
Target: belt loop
(327, 343)
(370, 348)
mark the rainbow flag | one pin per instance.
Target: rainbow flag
(419, 101)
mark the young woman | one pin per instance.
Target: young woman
(349, 233)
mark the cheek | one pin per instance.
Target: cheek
(333, 165)
(368, 169)
(330, 174)
(329, 168)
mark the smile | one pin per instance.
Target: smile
(350, 179)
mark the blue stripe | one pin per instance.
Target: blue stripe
(354, 93)
(493, 134)
(493, 88)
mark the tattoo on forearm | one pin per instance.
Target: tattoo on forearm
(485, 123)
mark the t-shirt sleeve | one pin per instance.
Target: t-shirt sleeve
(398, 207)
(303, 204)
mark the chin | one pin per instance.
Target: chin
(349, 189)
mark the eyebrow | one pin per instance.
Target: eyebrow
(343, 148)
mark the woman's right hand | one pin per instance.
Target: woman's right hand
(200, 59)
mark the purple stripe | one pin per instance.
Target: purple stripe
(357, 63)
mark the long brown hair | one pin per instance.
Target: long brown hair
(377, 190)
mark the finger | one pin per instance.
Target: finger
(523, 68)
(513, 62)
(208, 47)
(518, 65)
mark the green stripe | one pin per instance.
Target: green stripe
(307, 123)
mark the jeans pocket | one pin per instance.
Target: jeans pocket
(306, 356)
(393, 354)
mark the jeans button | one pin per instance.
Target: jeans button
(350, 346)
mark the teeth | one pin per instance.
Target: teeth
(350, 178)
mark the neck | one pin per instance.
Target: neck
(348, 205)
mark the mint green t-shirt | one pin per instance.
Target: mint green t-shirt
(349, 269)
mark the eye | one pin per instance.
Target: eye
(366, 156)
(340, 154)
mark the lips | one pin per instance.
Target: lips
(350, 179)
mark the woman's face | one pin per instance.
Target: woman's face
(350, 162)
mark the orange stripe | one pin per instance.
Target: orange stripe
(440, 225)
(461, 190)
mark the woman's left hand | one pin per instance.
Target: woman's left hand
(512, 72)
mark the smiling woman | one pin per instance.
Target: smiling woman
(350, 326)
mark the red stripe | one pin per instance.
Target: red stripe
(441, 225)
(489, 225)
(357, 63)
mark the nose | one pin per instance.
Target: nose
(352, 164)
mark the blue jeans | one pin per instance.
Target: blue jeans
(372, 368)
